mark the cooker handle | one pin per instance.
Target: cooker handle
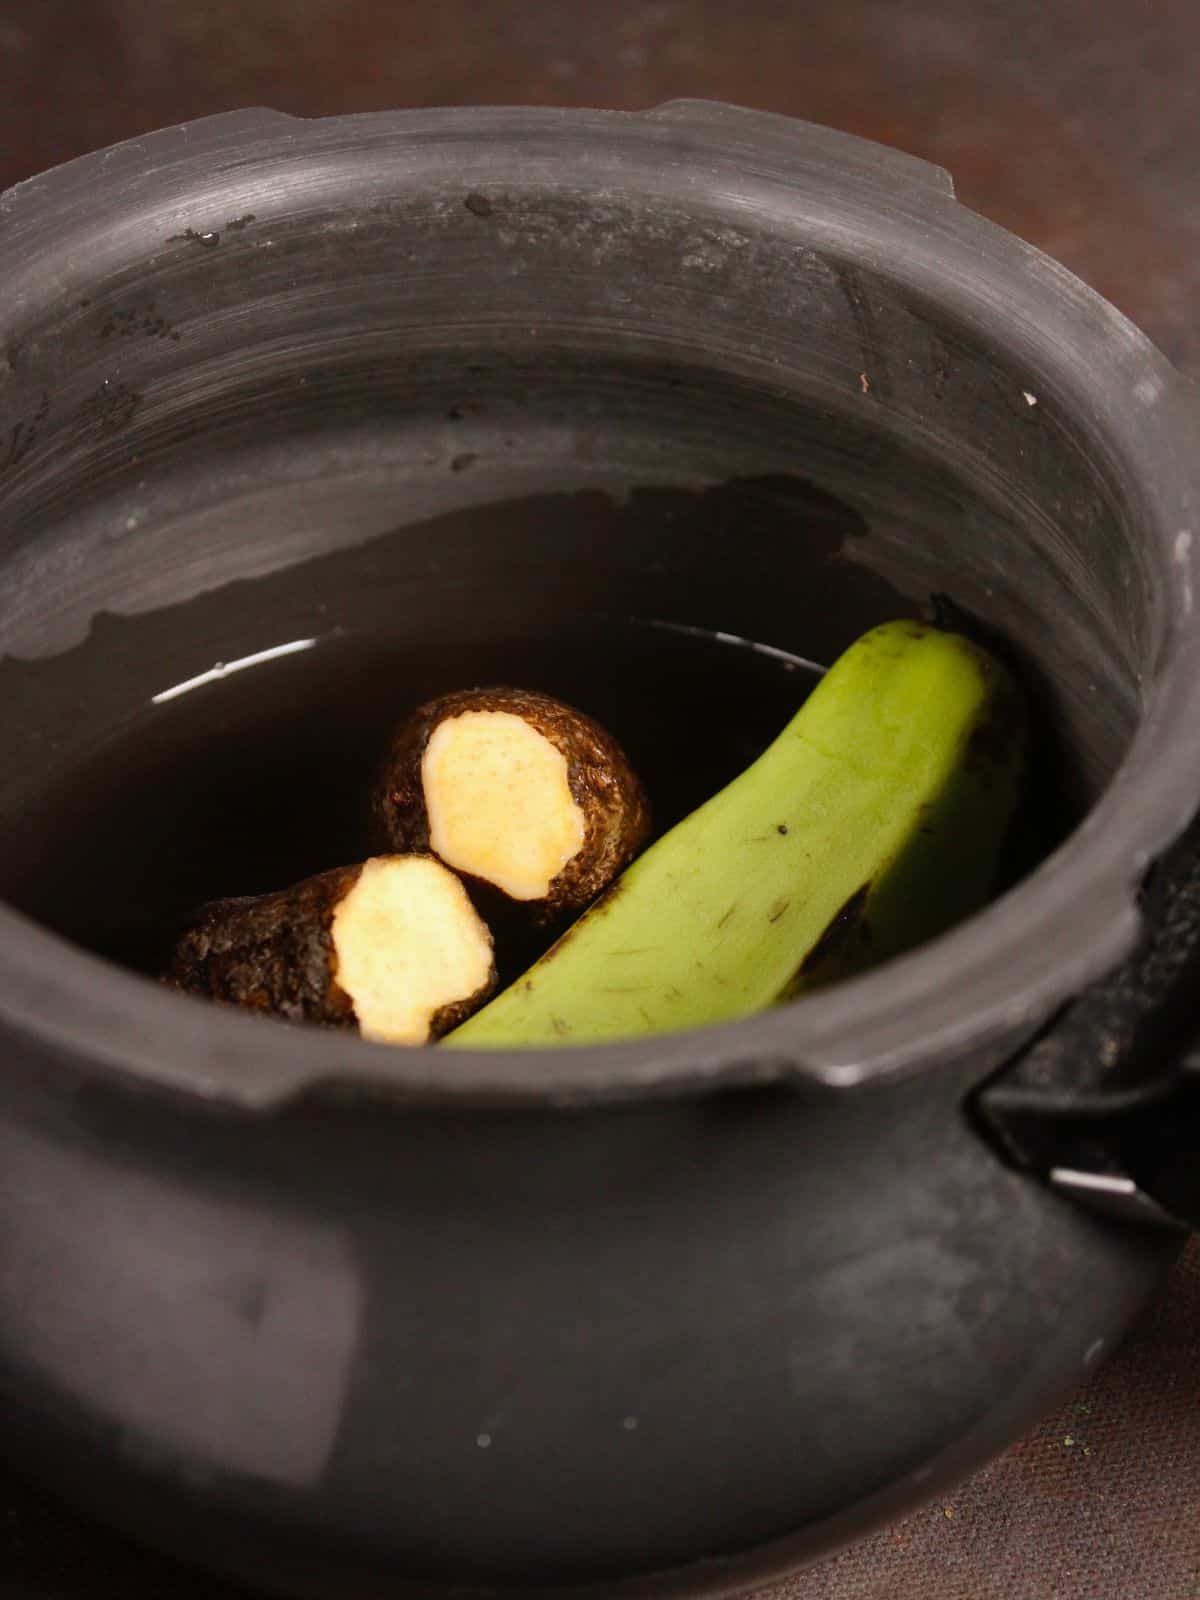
(1169, 1164)
(1105, 1104)
(1141, 1165)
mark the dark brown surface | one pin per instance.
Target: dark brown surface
(1074, 122)
(271, 953)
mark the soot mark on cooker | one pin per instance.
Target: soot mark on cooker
(111, 407)
(208, 240)
(873, 356)
(140, 322)
(939, 366)
(24, 435)
(14, 353)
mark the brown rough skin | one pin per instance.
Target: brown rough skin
(602, 782)
(274, 954)
(271, 953)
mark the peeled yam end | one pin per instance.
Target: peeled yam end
(499, 802)
(410, 950)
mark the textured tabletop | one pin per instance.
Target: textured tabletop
(1074, 122)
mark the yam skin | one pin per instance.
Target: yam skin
(278, 954)
(612, 804)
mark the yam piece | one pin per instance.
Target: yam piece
(515, 790)
(392, 947)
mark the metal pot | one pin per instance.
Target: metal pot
(676, 1315)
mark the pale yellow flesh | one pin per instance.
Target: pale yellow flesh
(499, 802)
(407, 942)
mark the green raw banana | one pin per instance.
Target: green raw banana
(874, 821)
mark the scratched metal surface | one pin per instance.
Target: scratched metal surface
(1075, 123)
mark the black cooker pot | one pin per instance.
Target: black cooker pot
(678, 1314)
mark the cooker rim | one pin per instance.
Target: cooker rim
(998, 975)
